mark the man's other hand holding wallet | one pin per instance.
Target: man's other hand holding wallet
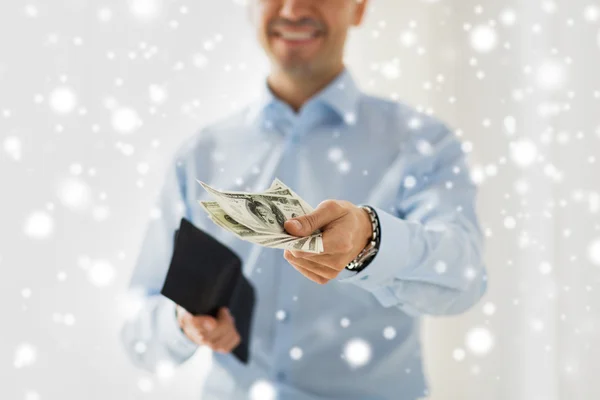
(218, 333)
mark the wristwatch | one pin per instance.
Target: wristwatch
(367, 254)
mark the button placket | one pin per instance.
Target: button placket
(287, 285)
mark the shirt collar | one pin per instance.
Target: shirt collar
(341, 95)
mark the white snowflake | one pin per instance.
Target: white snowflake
(458, 354)
(125, 120)
(296, 353)
(39, 225)
(508, 17)
(479, 341)
(357, 352)
(165, 369)
(440, 267)
(25, 355)
(594, 251)
(145, 10)
(389, 332)
(12, 147)
(262, 390)
(545, 268)
(550, 75)
(63, 100)
(74, 193)
(335, 154)
(145, 384)
(483, 38)
(101, 273)
(509, 222)
(157, 93)
(523, 152)
(489, 308)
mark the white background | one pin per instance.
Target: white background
(95, 97)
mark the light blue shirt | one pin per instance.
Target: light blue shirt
(356, 337)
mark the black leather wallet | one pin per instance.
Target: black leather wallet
(205, 275)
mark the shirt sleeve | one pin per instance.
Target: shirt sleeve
(430, 256)
(151, 335)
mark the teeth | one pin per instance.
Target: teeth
(296, 35)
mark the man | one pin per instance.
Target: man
(321, 330)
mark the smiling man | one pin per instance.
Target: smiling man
(396, 206)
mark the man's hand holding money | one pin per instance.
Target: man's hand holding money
(346, 230)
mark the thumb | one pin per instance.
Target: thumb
(304, 225)
(224, 314)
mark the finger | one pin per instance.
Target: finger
(182, 315)
(203, 323)
(326, 212)
(223, 315)
(303, 254)
(218, 332)
(193, 334)
(318, 269)
(230, 317)
(336, 240)
(215, 336)
(196, 326)
(327, 260)
(232, 344)
(222, 345)
(218, 327)
(311, 275)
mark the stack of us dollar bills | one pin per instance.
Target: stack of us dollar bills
(259, 217)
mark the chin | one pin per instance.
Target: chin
(294, 65)
(297, 69)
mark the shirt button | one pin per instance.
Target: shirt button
(281, 315)
(281, 376)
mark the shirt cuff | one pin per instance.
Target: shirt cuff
(345, 273)
(179, 344)
(380, 273)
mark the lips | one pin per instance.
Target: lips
(297, 38)
(297, 35)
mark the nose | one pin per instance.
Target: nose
(294, 9)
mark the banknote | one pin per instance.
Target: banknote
(218, 215)
(262, 212)
(259, 217)
(277, 185)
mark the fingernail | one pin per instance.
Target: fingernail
(296, 224)
(294, 253)
(208, 326)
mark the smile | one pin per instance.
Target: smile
(297, 37)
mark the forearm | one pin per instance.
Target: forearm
(425, 271)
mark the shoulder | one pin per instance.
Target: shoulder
(417, 130)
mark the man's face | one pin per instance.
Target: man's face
(305, 36)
